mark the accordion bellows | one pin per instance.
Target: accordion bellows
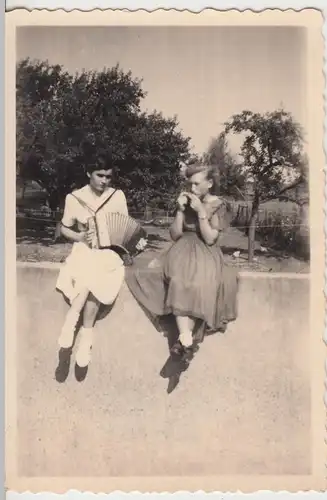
(116, 230)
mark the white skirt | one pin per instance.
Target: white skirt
(102, 272)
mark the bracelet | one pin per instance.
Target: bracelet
(203, 217)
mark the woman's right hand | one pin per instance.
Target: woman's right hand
(182, 201)
(87, 238)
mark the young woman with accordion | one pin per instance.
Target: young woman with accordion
(104, 237)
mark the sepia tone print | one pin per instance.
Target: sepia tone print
(165, 251)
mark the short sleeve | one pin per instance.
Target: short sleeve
(69, 216)
(121, 203)
(218, 219)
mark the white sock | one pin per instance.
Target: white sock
(186, 338)
(87, 336)
(83, 354)
(68, 330)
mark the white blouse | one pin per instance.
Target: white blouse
(76, 212)
(102, 272)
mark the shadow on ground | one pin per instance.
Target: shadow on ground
(65, 354)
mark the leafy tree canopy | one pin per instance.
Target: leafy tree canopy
(272, 151)
(64, 121)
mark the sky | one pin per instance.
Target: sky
(203, 75)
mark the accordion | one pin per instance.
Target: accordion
(117, 232)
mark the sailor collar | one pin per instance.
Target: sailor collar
(90, 200)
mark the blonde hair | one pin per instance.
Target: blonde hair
(211, 172)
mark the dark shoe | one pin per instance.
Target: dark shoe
(80, 372)
(188, 354)
(62, 370)
(177, 349)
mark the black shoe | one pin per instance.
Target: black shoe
(188, 354)
(80, 372)
(62, 370)
(177, 350)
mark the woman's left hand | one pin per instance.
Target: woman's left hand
(195, 203)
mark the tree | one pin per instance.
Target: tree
(65, 122)
(299, 194)
(230, 178)
(150, 168)
(272, 155)
(37, 88)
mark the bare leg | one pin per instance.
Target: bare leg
(79, 301)
(185, 326)
(66, 338)
(90, 311)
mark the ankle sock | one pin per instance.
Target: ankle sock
(83, 354)
(186, 339)
(68, 329)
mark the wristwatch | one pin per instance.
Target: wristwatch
(202, 217)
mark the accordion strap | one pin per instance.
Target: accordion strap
(85, 205)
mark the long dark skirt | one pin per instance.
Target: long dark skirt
(190, 279)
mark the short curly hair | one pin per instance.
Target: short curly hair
(97, 158)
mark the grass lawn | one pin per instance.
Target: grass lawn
(35, 244)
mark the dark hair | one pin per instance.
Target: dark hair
(99, 160)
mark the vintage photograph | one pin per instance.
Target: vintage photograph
(167, 176)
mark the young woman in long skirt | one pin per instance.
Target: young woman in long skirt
(192, 282)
